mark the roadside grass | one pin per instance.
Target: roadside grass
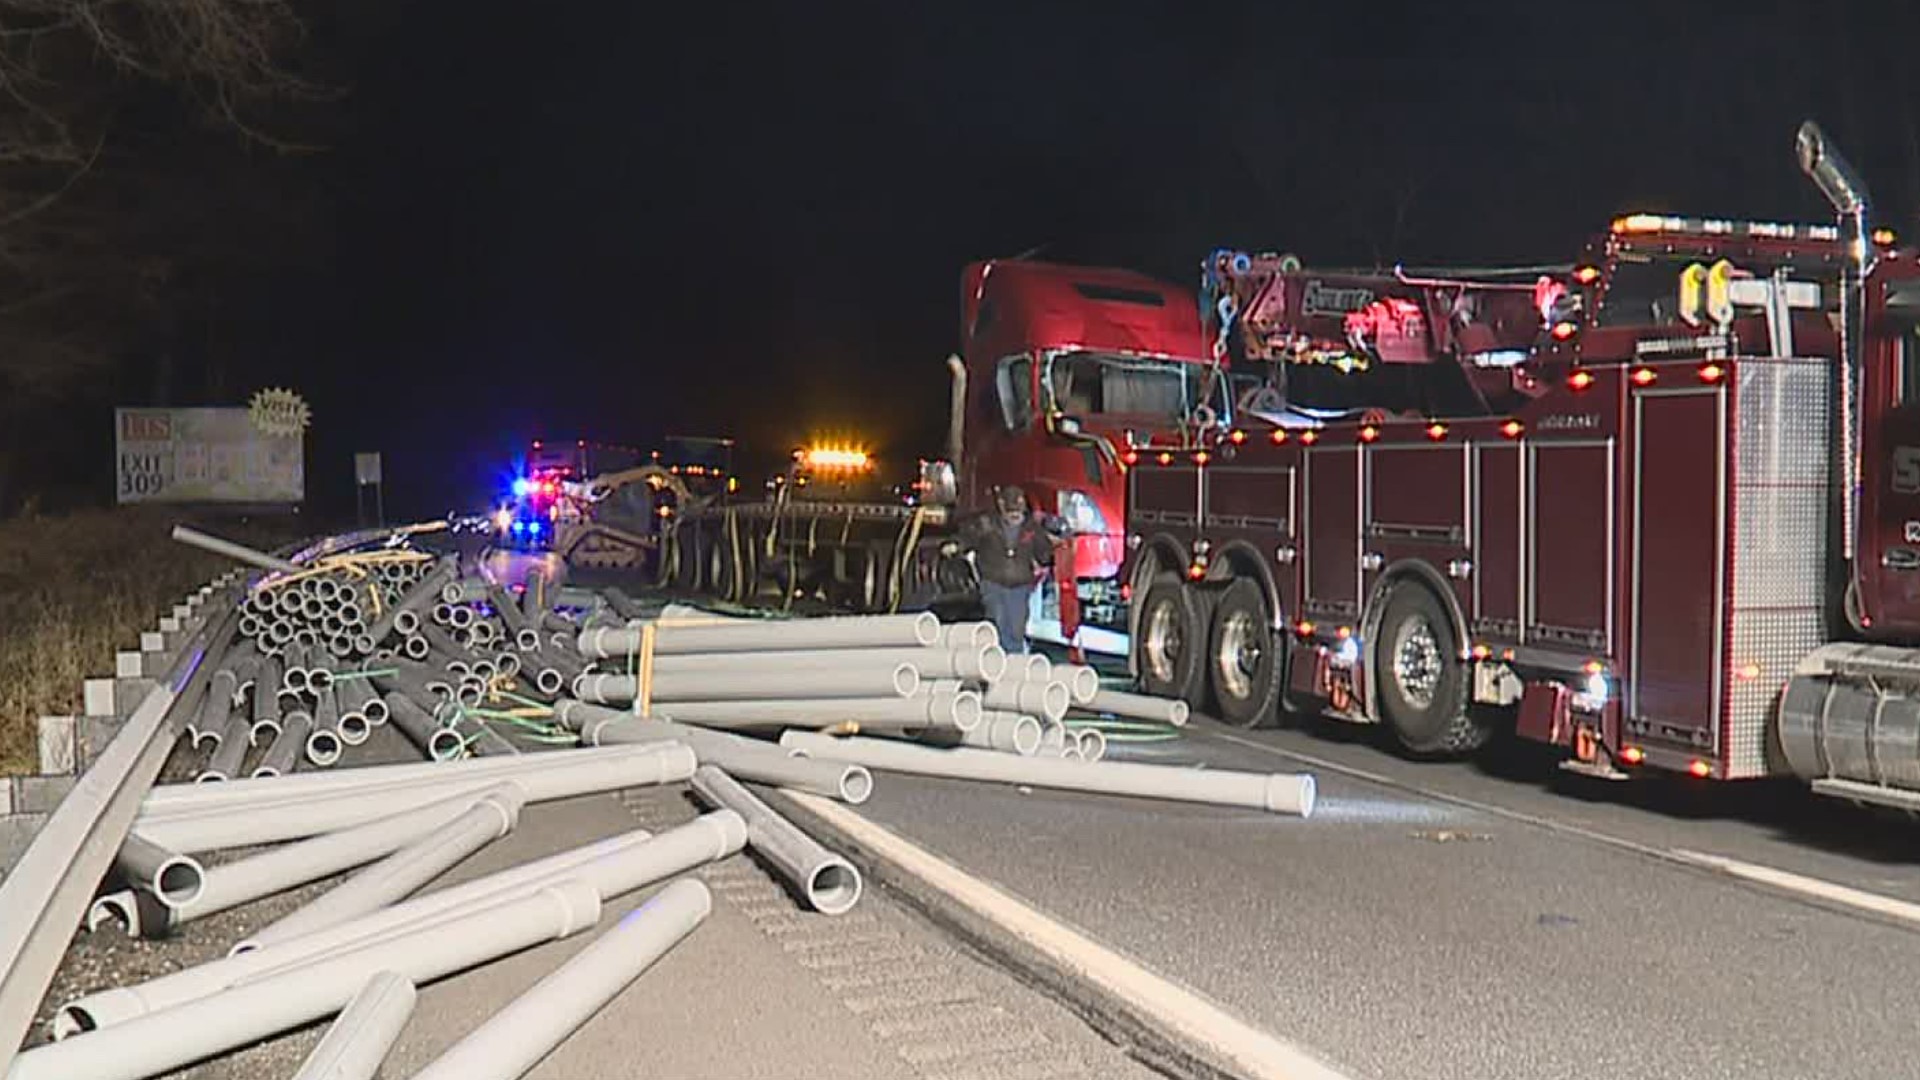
(75, 589)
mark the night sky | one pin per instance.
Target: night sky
(620, 220)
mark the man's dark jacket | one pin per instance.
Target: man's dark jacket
(1014, 562)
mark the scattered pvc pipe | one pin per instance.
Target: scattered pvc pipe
(1007, 732)
(934, 705)
(299, 994)
(437, 742)
(1093, 744)
(267, 822)
(1130, 706)
(238, 882)
(1276, 792)
(358, 1042)
(615, 866)
(284, 751)
(744, 683)
(514, 1040)
(236, 552)
(174, 879)
(749, 759)
(168, 800)
(971, 662)
(1046, 700)
(845, 632)
(976, 634)
(828, 883)
(491, 816)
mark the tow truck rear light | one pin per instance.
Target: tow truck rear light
(1369, 433)
(1885, 237)
(1279, 436)
(1712, 373)
(1580, 380)
(1303, 628)
(1563, 330)
(1309, 437)
(1201, 457)
(1436, 432)
(1643, 376)
(1700, 768)
(1481, 652)
(1236, 437)
(1587, 275)
(1512, 429)
(1131, 457)
(1165, 458)
(1632, 755)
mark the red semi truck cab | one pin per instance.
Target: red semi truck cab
(1067, 371)
(1660, 507)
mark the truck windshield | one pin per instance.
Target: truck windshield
(1098, 384)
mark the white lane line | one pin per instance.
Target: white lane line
(1249, 1050)
(1786, 881)
(1818, 888)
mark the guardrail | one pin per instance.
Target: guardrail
(46, 893)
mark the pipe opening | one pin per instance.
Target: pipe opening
(833, 888)
(856, 784)
(550, 681)
(445, 744)
(319, 679)
(354, 729)
(377, 711)
(1027, 735)
(323, 748)
(73, 1020)
(178, 883)
(406, 623)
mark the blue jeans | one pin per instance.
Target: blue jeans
(1007, 609)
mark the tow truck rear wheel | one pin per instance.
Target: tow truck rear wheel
(722, 578)
(1423, 683)
(1246, 665)
(1169, 649)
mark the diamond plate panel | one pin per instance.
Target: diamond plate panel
(1766, 647)
(1783, 422)
(1782, 440)
(1779, 546)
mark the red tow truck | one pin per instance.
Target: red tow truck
(1062, 373)
(1660, 507)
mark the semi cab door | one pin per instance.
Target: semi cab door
(1889, 556)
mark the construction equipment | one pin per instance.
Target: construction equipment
(1660, 506)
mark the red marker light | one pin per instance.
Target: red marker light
(1481, 652)
(1632, 755)
(1131, 457)
(1644, 376)
(1303, 628)
(1196, 571)
(1309, 437)
(1512, 429)
(1712, 373)
(1201, 457)
(1700, 769)
(1563, 330)
(1587, 275)
(1436, 432)
(1580, 380)
(1165, 458)
(1279, 436)
(1236, 437)
(1369, 433)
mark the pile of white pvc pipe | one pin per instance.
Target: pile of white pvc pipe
(820, 686)
(361, 947)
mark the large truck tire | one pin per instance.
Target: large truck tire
(1246, 664)
(1169, 649)
(1423, 682)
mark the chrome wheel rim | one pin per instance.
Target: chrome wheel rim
(1160, 642)
(1417, 662)
(1238, 655)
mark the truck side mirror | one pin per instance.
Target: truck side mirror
(938, 484)
(1063, 424)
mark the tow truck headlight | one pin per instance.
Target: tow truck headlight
(1594, 691)
(1077, 509)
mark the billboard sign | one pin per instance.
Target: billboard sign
(206, 456)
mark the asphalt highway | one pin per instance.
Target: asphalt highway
(1476, 920)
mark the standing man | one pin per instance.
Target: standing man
(1012, 547)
